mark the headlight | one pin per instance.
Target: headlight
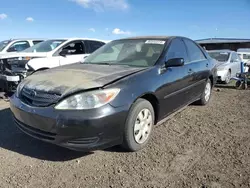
(12, 59)
(88, 100)
(18, 90)
(221, 68)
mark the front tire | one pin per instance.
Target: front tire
(205, 97)
(228, 77)
(139, 125)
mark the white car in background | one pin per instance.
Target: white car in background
(45, 55)
(228, 64)
(17, 45)
(244, 53)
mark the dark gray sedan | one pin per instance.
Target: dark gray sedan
(117, 95)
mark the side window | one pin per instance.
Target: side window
(36, 41)
(234, 57)
(238, 58)
(177, 49)
(74, 48)
(18, 46)
(194, 52)
(93, 45)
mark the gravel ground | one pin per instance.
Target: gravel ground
(198, 147)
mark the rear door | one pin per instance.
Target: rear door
(175, 80)
(198, 71)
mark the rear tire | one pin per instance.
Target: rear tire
(139, 125)
(206, 95)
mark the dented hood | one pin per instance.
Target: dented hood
(77, 77)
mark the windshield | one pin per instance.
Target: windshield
(220, 56)
(137, 52)
(3, 44)
(45, 46)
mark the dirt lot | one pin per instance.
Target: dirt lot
(199, 147)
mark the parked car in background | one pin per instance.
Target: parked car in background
(48, 54)
(116, 95)
(244, 53)
(17, 45)
(228, 64)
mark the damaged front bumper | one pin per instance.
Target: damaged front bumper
(11, 74)
(9, 83)
(10, 78)
(81, 130)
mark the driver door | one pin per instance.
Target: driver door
(75, 53)
(174, 93)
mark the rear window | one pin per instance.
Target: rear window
(37, 41)
(45, 46)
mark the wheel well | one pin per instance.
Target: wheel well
(154, 102)
(211, 80)
(41, 69)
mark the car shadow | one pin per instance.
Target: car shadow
(224, 86)
(11, 138)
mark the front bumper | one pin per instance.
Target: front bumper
(9, 83)
(221, 75)
(81, 130)
(9, 78)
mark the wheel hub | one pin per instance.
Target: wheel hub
(143, 126)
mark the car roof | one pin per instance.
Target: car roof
(18, 39)
(230, 51)
(148, 37)
(70, 39)
(244, 50)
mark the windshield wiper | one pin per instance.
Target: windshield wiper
(99, 63)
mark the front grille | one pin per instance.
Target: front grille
(2, 65)
(35, 132)
(38, 98)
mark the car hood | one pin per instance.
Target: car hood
(72, 78)
(220, 64)
(22, 54)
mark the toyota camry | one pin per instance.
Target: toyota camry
(117, 95)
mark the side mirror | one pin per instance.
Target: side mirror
(12, 49)
(175, 62)
(64, 52)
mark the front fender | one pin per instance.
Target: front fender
(40, 63)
